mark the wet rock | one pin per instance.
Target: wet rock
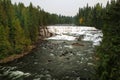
(67, 77)
(91, 64)
(82, 58)
(78, 54)
(78, 78)
(49, 60)
(78, 61)
(43, 47)
(64, 54)
(68, 58)
(71, 54)
(54, 79)
(52, 54)
(85, 69)
(41, 75)
(46, 72)
(35, 62)
(60, 47)
(37, 79)
(81, 62)
(48, 79)
(48, 75)
(42, 78)
(71, 51)
(42, 69)
(0, 67)
(77, 44)
(86, 59)
(90, 58)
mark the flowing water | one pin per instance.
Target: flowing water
(53, 60)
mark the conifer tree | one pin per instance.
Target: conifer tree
(5, 46)
(19, 37)
(109, 51)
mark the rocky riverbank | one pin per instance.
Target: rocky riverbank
(53, 60)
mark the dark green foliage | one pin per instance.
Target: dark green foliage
(5, 46)
(19, 26)
(108, 20)
(108, 67)
(92, 16)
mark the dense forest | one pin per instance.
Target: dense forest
(92, 16)
(108, 67)
(19, 26)
(108, 20)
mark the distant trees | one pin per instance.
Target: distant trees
(90, 16)
(19, 26)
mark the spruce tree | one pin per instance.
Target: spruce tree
(5, 46)
(109, 51)
(19, 37)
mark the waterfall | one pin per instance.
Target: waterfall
(73, 32)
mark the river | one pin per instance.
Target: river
(61, 57)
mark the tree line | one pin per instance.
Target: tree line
(108, 53)
(108, 67)
(91, 16)
(19, 26)
(108, 20)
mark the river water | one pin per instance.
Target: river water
(54, 59)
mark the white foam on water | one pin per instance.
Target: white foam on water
(62, 37)
(68, 46)
(66, 33)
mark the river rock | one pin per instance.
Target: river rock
(67, 77)
(78, 78)
(35, 62)
(52, 54)
(37, 79)
(77, 44)
(91, 64)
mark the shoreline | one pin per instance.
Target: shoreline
(17, 56)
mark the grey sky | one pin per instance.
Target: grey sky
(63, 7)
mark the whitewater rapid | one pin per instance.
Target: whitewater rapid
(72, 33)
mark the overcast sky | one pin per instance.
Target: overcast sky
(63, 7)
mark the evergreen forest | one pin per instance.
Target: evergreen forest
(19, 26)
(106, 19)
